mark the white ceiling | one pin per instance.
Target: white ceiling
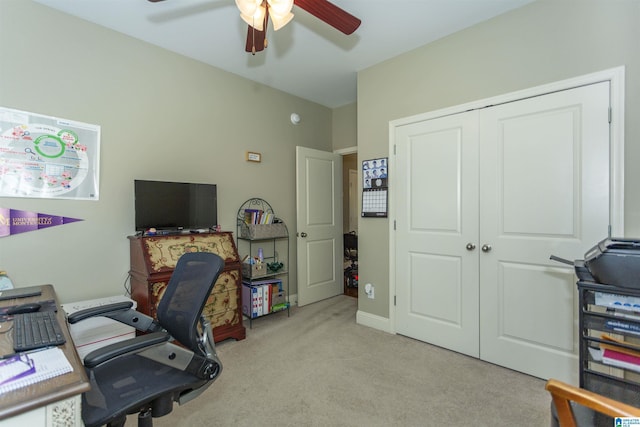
(307, 58)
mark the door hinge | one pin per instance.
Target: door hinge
(394, 225)
(394, 300)
(394, 149)
(610, 114)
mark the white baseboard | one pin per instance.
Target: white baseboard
(373, 321)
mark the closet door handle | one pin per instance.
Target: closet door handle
(303, 234)
(486, 248)
(470, 246)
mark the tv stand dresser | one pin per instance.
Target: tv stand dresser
(153, 259)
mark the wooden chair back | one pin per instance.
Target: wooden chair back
(563, 393)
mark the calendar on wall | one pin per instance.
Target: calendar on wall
(374, 188)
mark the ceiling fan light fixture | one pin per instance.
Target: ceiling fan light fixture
(280, 7)
(256, 21)
(252, 12)
(280, 12)
(256, 13)
(248, 7)
(280, 21)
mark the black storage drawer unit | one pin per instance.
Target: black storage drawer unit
(609, 317)
(625, 391)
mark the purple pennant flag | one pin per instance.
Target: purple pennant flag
(13, 221)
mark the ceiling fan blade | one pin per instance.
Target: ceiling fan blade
(338, 18)
(255, 40)
(155, 1)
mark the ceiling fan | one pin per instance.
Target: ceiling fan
(256, 14)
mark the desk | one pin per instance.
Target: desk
(52, 402)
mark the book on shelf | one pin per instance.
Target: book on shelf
(257, 216)
(251, 215)
(258, 297)
(258, 301)
(266, 299)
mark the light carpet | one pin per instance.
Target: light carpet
(319, 368)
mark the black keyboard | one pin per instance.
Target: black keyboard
(36, 330)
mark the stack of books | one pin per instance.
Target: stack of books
(258, 216)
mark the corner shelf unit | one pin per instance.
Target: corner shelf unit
(265, 287)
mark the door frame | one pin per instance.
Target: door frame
(616, 77)
(343, 152)
(353, 200)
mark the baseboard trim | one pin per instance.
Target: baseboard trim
(373, 321)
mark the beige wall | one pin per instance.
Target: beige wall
(345, 137)
(546, 41)
(345, 126)
(163, 117)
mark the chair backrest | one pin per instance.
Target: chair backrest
(186, 294)
(562, 394)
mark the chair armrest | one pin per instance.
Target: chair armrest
(98, 311)
(133, 345)
(121, 312)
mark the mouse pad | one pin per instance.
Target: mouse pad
(49, 305)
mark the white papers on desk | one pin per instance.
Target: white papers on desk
(96, 332)
(48, 363)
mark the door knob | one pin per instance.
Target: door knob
(303, 234)
(486, 248)
(470, 246)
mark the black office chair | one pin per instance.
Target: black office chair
(148, 373)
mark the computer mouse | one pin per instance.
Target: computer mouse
(30, 307)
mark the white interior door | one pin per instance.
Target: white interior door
(319, 224)
(544, 173)
(515, 183)
(436, 218)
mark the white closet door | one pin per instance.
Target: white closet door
(523, 180)
(544, 174)
(436, 217)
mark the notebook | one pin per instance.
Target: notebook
(24, 369)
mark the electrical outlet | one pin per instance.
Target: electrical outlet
(370, 290)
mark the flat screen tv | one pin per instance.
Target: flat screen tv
(175, 206)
